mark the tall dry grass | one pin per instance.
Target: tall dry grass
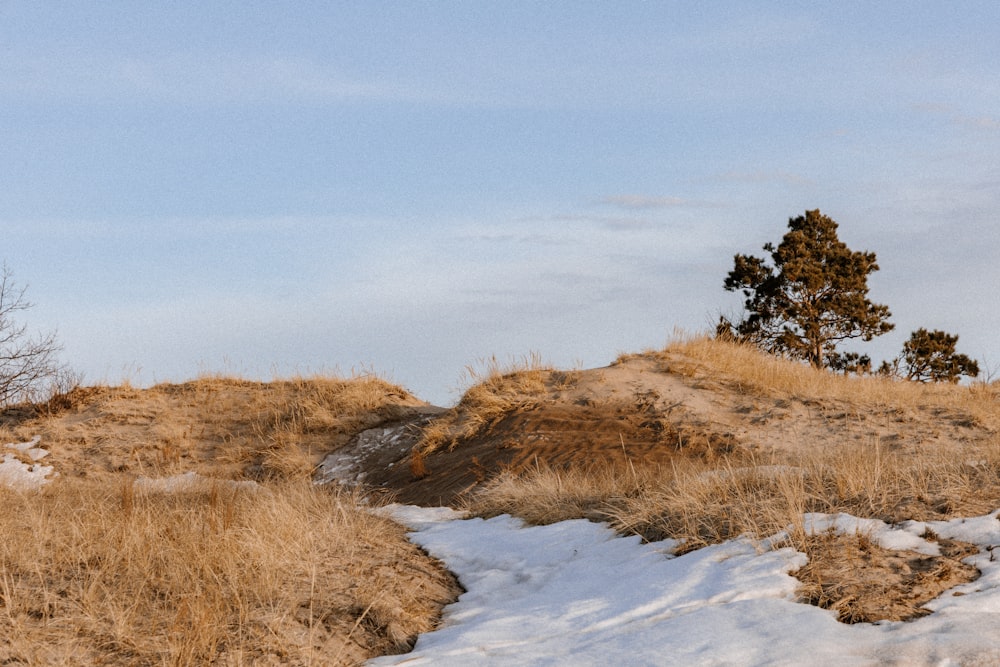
(747, 368)
(282, 574)
(699, 505)
(495, 391)
(319, 405)
(704, 502)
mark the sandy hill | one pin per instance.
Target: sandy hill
(701, 442)
(696, 400)
(179, 525)
(220, 427)
(700, 400)
(705, 441)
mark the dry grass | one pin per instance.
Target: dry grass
(97, 568)
(864, 582)
(496, 391)
(702, 501)
(700, 504)
(749, 370)
(222, 427)
(284, 574)
(546, 494)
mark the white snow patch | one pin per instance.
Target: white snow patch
(574, 593)
(17, 474)
(344, 465)
(31, 448)
(905, 537)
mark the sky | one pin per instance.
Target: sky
(410, 188)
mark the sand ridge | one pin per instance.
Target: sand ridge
(648, 409)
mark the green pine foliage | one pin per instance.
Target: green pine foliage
(810, 298)
(930, 356)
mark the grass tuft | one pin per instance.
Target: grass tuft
(497, 390)
(286, 572)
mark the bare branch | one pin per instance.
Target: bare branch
(26, 361)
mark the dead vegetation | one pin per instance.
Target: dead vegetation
(278, 574)
(870, 447)
(221, 427)
(102, 568)
(496, 391)
(701, 505)
(745, 369)
(864, 582)
(701, 442)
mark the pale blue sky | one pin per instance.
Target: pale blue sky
(408, 187)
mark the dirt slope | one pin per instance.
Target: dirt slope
(649, 409)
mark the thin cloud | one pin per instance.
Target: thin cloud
(171, 228)
(958, 117)
(934, 108)
(627, 225)
(753, 33)
(513, 237)
(195, 79)
(634, 201)
(763, 177)
(614, 223)
(978, 122)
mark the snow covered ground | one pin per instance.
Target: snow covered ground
(19, 474)
(574, 593)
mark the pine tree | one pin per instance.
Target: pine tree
(812, 297)
(929, 356)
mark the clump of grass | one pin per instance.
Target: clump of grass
(324, 403)
(283, 574)
(699, 502)
(864, 582)
(318, 405)
(690, 500)
(749, 369)
(547, 494)
(698, 505)
(497, 390)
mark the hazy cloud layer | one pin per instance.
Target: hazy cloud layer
(185, 186)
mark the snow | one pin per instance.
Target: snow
(906, 537)
(30, 448)
(344, 465)
(575, 593)
(16, 474)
